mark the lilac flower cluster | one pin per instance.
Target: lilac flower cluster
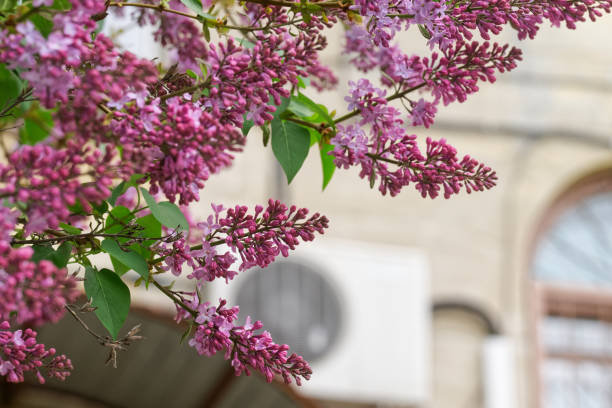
(186, 138)
(455, 73)
(449, 76)
(178, 144)
(181, 37)
(21, 353)
(8, 221)
(384, 18)
(307, 44)
(257, 238)
(444, 25)
(178, 149)
(32, 293)
(524, 16)
(388, 146)
(216, 330)
(114, 97)
(47, 180)
(44, 60)
(84, 75)
(109, 80)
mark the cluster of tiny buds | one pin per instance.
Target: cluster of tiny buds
(256, 238)
(33, 293)
(20, 353)
(246, 346)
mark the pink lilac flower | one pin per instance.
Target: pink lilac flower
(40, 3)
(351, 145)
(523, 16)
(180, 36)
(32, 293)
(8, 221)
(437, 74)
(392, 157)
(21, 353)
(245, 345)
(422, 113)
(445, 25)
(257, 239)
(44, 61)
(48, 180)
(179, 142)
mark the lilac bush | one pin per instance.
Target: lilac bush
(103, 151)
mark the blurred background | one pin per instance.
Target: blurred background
(499, 299)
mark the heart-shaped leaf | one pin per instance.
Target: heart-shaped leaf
(110, 296)
(290, 144)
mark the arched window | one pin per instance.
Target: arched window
(572, 270)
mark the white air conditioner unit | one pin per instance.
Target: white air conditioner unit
(358, 312)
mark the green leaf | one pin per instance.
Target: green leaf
(43, 25)
(100, 209)
(117, 192)
(306, 108)
(72, 230)
(76, 208)
(186, 333)
(300, 109)
(315, 137)
(135, 179)
(425, 31)
(191, 74)
(171, 216)
(206, 31)
(246, 126)
(10, 85)
(117, 219)
(290, 144)
(265, 129)
(165, 212)
(119, 268)
(59, 257)
(61, 5)
(31, 133)
(37, 125)
(42, 252)
(208, 16)
(280, 109)
(122, 187)
(327, 162)
(152, 227)
(194, 5)
(62, 255)
(110, 296)
(131, 259)
(244, 43)
(8, 6)
(303, 82)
